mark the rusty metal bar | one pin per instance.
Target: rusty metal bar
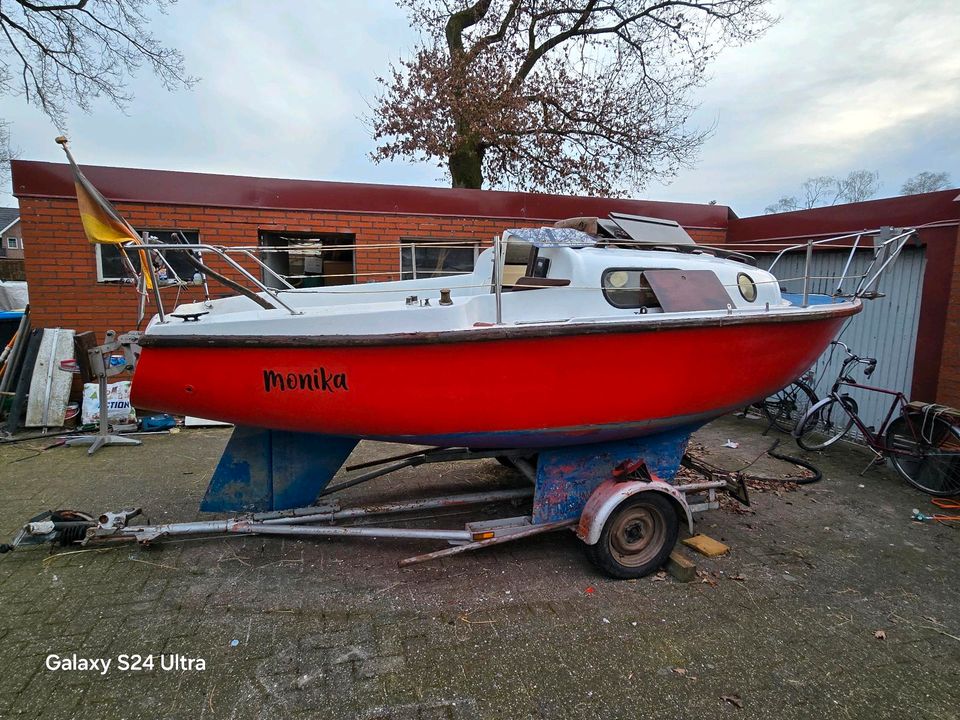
(400, 507)
(696, 487)
(348, 531)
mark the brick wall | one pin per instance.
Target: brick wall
(948, 390)
(62, 268)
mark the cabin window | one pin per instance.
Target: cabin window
(628, 288)
(666, 289)
(437, 257)
(522, 260)
(111, 268)
(747, 287)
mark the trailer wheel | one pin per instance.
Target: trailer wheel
(637, 537)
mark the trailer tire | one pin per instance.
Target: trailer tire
(638, 537)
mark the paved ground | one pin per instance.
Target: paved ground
(785, 624)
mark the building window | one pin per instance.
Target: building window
(111, 268)
(307, 260)
(12, 243)
(436, 257)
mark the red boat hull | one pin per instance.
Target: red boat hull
(525, 390)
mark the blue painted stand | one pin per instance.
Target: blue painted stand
(263, 470)
(567, 476)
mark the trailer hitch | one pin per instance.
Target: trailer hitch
(58, 526)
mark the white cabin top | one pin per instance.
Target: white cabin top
(603, 275)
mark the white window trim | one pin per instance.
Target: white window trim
(406, 242)
(13, 243)
(100, 276)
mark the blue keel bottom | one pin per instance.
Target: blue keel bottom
(567, 476)
(263, 470)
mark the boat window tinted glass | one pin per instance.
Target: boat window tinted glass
(628, 288)
(110, 267)
(517, 253)
(437, 258)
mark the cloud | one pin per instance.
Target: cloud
(835, 86)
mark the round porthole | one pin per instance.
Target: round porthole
(618, 278)
(747, 287)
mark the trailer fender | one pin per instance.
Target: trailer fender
(608, 496)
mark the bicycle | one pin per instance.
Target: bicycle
(923, 443)
(785, 408)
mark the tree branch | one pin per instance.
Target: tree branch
(49, 8)
(460, 21)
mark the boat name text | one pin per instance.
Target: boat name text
(320, 379)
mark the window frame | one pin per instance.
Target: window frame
(13, 243)
(412, 242)
(610, 270)
(98, 253)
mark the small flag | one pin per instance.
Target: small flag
(101, 222)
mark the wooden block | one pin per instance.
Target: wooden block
(681, 567)
(706, 545)
(83, 342)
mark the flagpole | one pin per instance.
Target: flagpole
(153, 279)
(118, 223)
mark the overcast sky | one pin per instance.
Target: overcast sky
(837, 85)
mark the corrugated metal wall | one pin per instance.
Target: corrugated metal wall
(886, 329)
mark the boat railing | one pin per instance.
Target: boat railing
(886, 244)
(262, 293)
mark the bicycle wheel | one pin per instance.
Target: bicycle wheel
(827, 423)
(926, 455)
(786, 408)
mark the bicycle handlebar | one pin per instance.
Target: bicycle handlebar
(853, 358)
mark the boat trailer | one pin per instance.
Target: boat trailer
(609, 494)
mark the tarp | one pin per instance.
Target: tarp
(13, 295)
(553, 237)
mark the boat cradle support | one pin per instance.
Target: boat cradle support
(264, 470)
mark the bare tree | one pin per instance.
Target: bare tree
(7, 153)
(858, 185)
(817, 190)
(926, 182)
(58, 54)
(586, 96)
(787, 203)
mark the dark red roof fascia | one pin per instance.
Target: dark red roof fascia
(165, 187)
(906, 211)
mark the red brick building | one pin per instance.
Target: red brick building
(73, 284)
